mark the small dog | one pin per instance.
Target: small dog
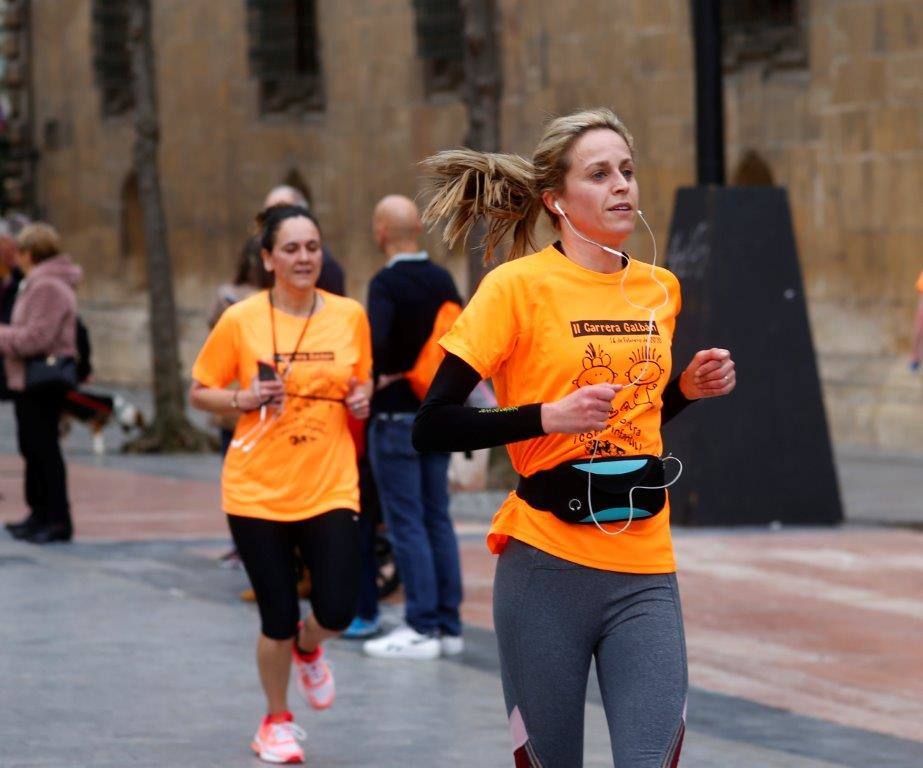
(95, 410)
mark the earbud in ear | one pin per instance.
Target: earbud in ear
(560, 210)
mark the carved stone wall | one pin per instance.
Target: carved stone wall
(842, 131)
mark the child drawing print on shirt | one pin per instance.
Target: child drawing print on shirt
(596, 368)
(644, 374)
(309, 409)
(605, 448)
(300, 423)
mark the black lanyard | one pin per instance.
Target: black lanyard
(304, 330)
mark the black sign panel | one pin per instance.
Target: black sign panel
(762, 454)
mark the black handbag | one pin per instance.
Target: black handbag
(622, 488)
(50, 372)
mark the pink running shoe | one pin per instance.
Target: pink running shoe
(276, 740)
(314, 678)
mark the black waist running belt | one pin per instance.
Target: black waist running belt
(562, 490)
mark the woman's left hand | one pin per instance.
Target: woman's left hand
(357, 398)
(710, 374)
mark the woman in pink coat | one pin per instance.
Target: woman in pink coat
(43, 328)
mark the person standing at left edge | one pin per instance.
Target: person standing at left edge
(302, 357)
(43, 327)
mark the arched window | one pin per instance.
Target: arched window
(440, 28)
(285, 55)
(766, 33)
(752, 171)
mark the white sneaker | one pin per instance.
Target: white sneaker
(314, 679)
(278, 742)
(403, 643)
(451, 645)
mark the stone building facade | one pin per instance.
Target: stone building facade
(840, 124)
(826, 100)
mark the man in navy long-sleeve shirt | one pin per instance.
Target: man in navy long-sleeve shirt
(404, 299)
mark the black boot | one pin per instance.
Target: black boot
(23, 528)
(49, 533)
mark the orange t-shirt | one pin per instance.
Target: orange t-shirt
(542, 326)
(302, 463)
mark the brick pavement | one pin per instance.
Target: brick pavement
(120, 505)
(174, 684)
(822, 623)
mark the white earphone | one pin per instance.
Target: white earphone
(560, 210)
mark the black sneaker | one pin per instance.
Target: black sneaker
(49, 533)
(23, 528)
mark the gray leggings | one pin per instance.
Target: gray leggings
(551, 617)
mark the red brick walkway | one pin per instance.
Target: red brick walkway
(825, 623)
(111, 504)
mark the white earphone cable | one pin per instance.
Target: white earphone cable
(647, 355)
(247, 441)
(631, 493)
(628, 262)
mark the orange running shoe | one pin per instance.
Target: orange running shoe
(314, 678)
(276, 740)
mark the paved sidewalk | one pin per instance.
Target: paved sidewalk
(140, 654)
(876, 487)
(131, 647)
(881, 488)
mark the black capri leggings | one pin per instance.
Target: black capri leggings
(328, 546)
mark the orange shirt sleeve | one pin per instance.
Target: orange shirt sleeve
(218, 363)
(920, 283)
(485, 333)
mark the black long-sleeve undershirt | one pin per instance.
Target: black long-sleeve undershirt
(444, 423)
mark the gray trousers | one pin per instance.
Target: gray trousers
(551, 618)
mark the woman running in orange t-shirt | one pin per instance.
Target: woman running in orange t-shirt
(577, 340)
(302, 357)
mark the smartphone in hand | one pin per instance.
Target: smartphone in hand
(265, 371)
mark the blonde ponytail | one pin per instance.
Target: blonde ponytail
(506, 190)
(466, 185)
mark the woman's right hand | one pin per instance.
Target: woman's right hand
(585, 410)
(269, 392)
